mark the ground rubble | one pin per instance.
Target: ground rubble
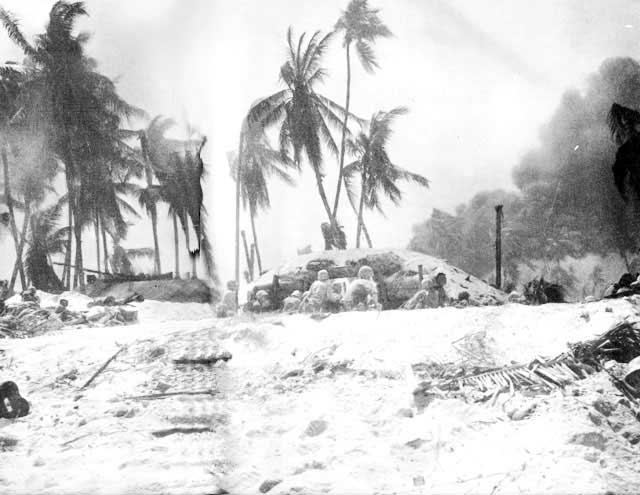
(285, 404)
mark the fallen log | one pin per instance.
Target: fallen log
(172, 431)
(170, 394)
(102, 368)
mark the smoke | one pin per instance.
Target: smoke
(567, 203)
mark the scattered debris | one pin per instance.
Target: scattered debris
(316, 427)
(102, 368)
(170, 394)
(267, 485)
(184, 431)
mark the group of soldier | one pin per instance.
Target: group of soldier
(327, 296)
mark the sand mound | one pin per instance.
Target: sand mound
(158, 290)
(396, 268)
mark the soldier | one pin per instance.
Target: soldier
(362, 293)
(319, 293)
(431, 295)
(229, 305)
(291, 304)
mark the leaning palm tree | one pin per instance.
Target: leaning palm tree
(303, 115)
(361, 26)
(378, 174)
(258, 162)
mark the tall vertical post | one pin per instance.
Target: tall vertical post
(498, 246)
(237, 273)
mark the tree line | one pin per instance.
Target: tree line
(61, 119)
(305, 121)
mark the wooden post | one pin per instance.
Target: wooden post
(498, 246)
(420, 275)
(249, 257)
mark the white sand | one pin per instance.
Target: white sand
(259, 418)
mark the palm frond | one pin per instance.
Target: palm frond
(12, 27)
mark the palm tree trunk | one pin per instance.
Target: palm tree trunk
(97, 230)
(360, 209)
(344, 135)
(154, 226)
(79, 273)
(323, 195)
(193, 258)
(105, 251)
(365, 231)
(248, 256)
(12, 216)
(67, 256)
(175, 245)
(255, 242)
(23, 240)
(237, 252)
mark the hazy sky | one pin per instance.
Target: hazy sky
(479, 78)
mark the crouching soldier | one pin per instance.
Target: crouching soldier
(229, 304)
(362, 293)
(431, 295)
(261, 303)
(291, 304)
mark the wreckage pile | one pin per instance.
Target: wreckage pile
(27, 320)
(616, 352)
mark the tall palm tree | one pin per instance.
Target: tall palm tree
(10, 82)
(76, 107)
(259, 162)
(361, 25)
(156, 150)
(303, 115)
(378, 174)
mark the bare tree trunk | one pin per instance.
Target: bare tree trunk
(323, 196)
(360, 210)
(97, 230)
(105, 251)
(79, 275)
(365, 231)
(23, 240)
(12, 217)
(237, 251)
(247, 255)
(67, 257)
(344, 135)
(255, 242)
(156, 247)
(175, 245)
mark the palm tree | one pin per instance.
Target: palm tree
(361, 25)
(303, 115)
(377, 173)
(156, 150)
(74, 106)
(259, 161)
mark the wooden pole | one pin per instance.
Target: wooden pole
(237, 267)
(420, 275)
(498, 246)
(247, 255)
